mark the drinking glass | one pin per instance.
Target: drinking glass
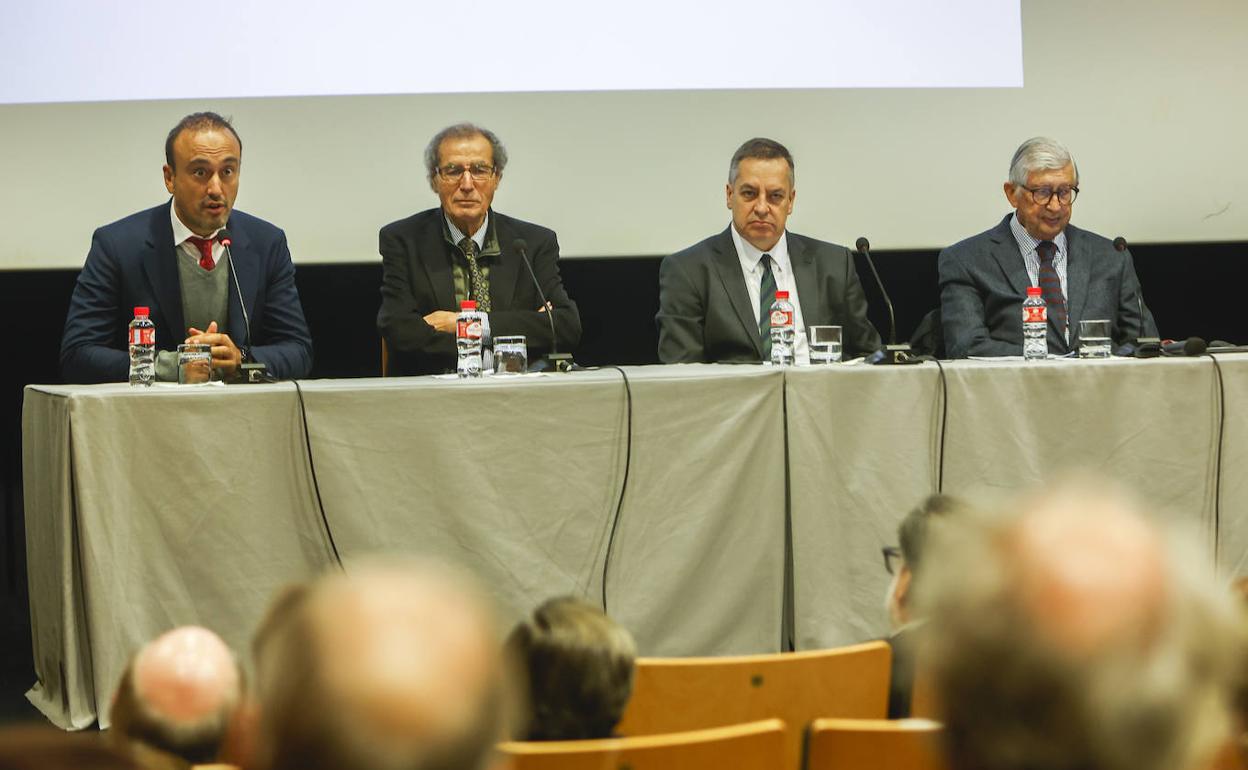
(1094, 339)
(194, 364)
(511, 355)
(825, 344)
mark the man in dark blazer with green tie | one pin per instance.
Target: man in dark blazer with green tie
(714, 296)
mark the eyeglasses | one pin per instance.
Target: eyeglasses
(891, 554)
(1042, 195)
(453, 172)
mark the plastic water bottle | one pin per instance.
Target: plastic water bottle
(487, 345)
(142, 348)
(782, 330)
(1035, 326)
(468, 331)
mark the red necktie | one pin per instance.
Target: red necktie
(205, 251)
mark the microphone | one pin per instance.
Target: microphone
(555, 361)
(252, 371)
(893, 353)
(1142, 343)
(1192, 346)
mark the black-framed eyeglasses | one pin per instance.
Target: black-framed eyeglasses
(453, 172)
(1042, 195)
(892, 555)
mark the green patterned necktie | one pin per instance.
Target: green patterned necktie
(766, 296)
(480, 287)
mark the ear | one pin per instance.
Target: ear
(902, 591)
(1010, 189)
(792, 197)
(168, 170)
(728, 195)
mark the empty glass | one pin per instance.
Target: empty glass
(1094, 339)
(194, 364)
(511, 355)
(825, 344)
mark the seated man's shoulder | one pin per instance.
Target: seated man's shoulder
(414, 222)
(979, 242)
(254, 227)
(510, 226)
(815, 246)
(1089, 239)
(702, 248)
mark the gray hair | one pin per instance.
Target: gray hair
(463, 131)
(1037, 153)
(760, 148)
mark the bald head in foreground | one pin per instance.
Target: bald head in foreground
(179, 694)
(394, 666)
(1071, 635)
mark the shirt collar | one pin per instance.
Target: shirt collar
(478, 237)
(749, 255)
(180, 231)
(1027, 242)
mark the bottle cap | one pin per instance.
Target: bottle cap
(468, 304)
(1034, 291)
(782, 295)
(142, 312)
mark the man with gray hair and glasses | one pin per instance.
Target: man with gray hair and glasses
(464, 250)
(984, 279)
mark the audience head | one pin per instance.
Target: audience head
(912, 536)
(393, 666)
(47, 748)
(179, 695)
(1070, 633)
(577, 666)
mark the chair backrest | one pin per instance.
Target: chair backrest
(674, 694)
(753, 746)
(873, 744)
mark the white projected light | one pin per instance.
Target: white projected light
(92, 50)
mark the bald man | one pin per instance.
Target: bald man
(1072, 635)
(179, 695)
(396, 665)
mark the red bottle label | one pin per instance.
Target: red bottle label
(469, 329)
(142, 336)
(781, 317)
(1035, 315)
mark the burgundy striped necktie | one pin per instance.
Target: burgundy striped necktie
(1051, 286)
(205, 251)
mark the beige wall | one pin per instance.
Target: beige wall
(1150, 95)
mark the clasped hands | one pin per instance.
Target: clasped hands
(444, 320)
(225, 354)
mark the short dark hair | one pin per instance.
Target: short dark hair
(199, 121)
(463, 131)
(760, 148)
(912, 531)
(577, 665)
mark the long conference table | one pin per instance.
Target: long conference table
(729, 509)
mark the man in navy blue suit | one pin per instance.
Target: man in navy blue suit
(170, 259)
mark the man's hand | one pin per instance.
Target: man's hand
(225, 354)
(442, 320)
(545, 308)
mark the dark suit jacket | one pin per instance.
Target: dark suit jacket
(983, 281)
(704, 306)
(133, 262)
(417, 280)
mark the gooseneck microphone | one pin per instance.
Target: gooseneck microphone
(1145, 347)
(893, 353)
(252, 371)
(556, 361)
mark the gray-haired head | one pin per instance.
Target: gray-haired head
(1040, 153)
(462, 131)
(760, 148)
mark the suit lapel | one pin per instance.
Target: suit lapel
(245, 265)
(1078, 271)
(433, 257)
(728, 265)
(1009, 258)
(505, 269)
(160, 264)
(804, 277)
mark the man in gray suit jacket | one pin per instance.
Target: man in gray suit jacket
(984, 279)
(714, 296)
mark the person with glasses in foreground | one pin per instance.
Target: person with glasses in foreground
(464, 250)
(984, 279)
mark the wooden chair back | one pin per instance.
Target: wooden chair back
(675, 694)
(752, 746)
(873, 744)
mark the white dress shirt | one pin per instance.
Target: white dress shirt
(180, 243)
(782, 271)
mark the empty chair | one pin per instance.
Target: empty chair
(753, 746)
(873, 744)
(674, 694)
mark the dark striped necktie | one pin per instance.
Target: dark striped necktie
(766, 296)
(480, 288)
(1051, 286)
